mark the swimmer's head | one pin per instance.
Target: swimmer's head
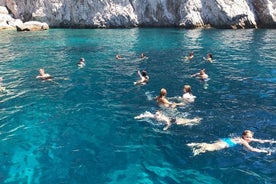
(82, 59)
(158, 114)
(202, 71)
(41, 71)
(144, 73)
(247, 135)
(187, 88)
(163, 92)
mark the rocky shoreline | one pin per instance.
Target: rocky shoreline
(227, 14)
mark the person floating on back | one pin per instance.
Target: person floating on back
(244, 140)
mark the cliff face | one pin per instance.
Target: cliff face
(132, 13)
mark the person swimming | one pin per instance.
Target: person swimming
(144, 78)
(188, 96)
(201, 75)
(163, 101)
(43, 75)
(244, 140)
(209, 58)
(2, 89)
(159, 116)
(190, 56)
(118, 57)
(81, 63)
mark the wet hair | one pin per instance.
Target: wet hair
(188, 88)
(163, 92)
(144, 73)
(246, 132)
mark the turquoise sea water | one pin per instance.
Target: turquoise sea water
(79, 128)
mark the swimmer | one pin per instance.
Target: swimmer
(144, 78)
(191, 56)
(2, 89)
(142, 55)
(244, 140)
(81, 63)
(209, 58)
(159, 116)
(201, 75)
(118, 57)
(163, 101)
(188, 96)
(43, 75)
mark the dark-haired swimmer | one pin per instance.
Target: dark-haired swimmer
(118, 57)
(144, 78)
(244, 140)
(191, 56)
(81, 63)
(209, 58)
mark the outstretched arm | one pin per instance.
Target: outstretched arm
(245, 144)
(144, 115)
(139, 73)
(196, 74)
(263, 141)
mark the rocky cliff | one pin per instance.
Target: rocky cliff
(141, 13)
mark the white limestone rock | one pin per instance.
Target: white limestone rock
(131, 13)
(32, 26)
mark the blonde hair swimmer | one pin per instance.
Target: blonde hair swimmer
(188, 96)
(159, 116)
(43, 75)
(163, 101)
(144, 78)
(81, 62)
(244, 140)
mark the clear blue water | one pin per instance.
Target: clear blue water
(80, 127)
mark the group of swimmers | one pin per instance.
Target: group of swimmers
(45, 76)
(208, 58)
(188, 97)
